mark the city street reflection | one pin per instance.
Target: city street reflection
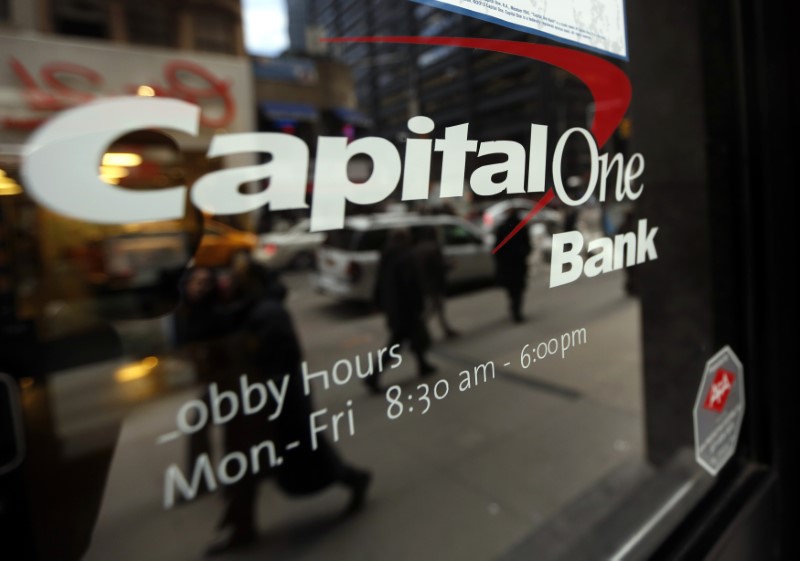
(360, 377)
(255, 448)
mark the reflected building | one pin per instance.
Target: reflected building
(588, 454)
(305, 96)
(207, 26)
(66, 53)
(298, 25)
(500, 96)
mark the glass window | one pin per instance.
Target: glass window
(212, 31)
(259, 315)
(151, 23)
(86, 18)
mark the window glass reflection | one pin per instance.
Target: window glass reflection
(414, 378)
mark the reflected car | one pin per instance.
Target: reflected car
(221, 243)
(142, 255)
(347, 261)
(295, 248)
(137, 259)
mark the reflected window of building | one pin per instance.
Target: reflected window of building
(86, 18)
(151, 23)
(213, 31)
(161, 388)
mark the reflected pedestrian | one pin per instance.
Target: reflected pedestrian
(198, 316)
(272, 350)
(400, 295)
(631, 273)
(199, 327)
(433, 274)
(511, 262)
(570, 219)
(248, 279)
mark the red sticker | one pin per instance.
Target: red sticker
(719, 391)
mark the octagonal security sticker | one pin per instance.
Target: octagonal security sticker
(718, 410)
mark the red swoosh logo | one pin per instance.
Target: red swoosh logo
(608, 84)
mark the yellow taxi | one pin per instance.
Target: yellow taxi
(220, 243)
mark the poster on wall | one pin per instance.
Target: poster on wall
(597, 25)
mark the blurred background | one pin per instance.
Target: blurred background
(106, 342)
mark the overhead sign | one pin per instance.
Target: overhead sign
(46, 76)
(718, 411)
(598, 25)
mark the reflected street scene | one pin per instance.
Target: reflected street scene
(340, 280)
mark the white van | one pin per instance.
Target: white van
(347, 262)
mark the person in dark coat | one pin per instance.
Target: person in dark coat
(272, 350)
(197, 318)
(511, 262)
(433, 273)
(632, 281)
(400, 295)
(200, 328)
(249, 280)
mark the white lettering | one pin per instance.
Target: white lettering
(185, 424)
(562, 257)
(332, 186)
(308, 376)
(632, 173)
(645, 248)
(603, 260)
(417, 165)
(223, 474)
(247, 390)
(624, 250)
(454, 147)
(482, 180)
(605, 170)
(279, 395)
(335, 371)
(218, 192)
(72, 144)
(174, 479)
(557, 157)
(217, 401)
(62, 159)
(315, 428)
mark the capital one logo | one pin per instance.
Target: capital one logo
(60, 162)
